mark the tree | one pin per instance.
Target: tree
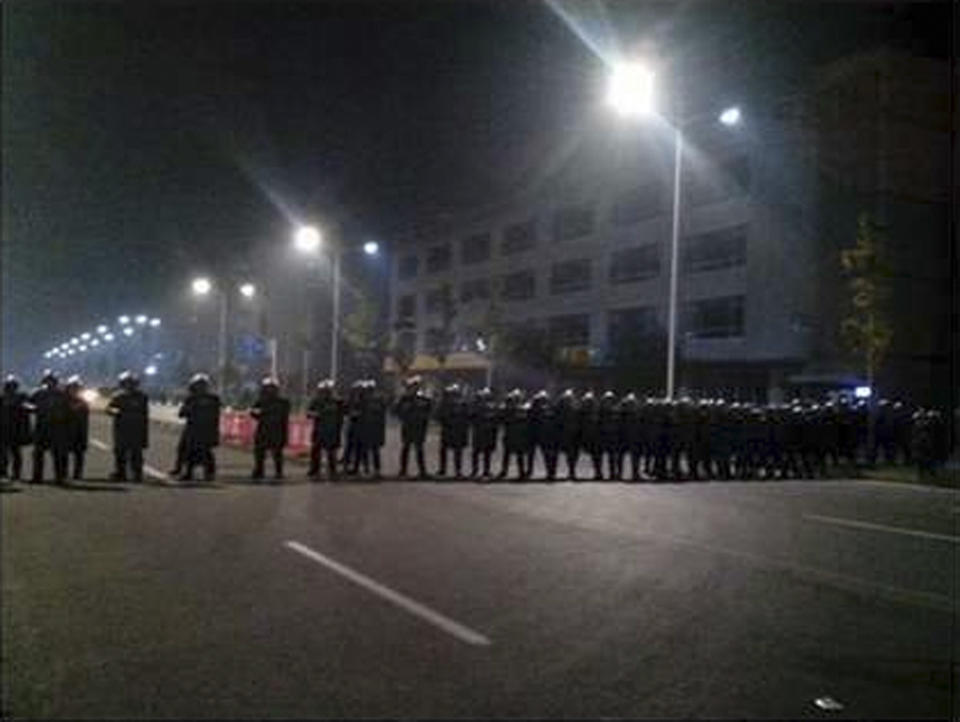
(361, 330)
(866, 329)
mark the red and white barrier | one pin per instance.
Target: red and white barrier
(237, 429)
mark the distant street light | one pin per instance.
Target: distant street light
(124, 320)
(154, 322)
(631, 89)
(108, 337)
(74, 341)
(141, 320)
(307, 239)
(82, 348)
(85, 336)
(248, 290)
(150, 370)
(730, 116)
(371, 248)
(94, 343)
(128, 331)
(102, 329)
(201, 286)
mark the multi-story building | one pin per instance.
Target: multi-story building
(586, 256)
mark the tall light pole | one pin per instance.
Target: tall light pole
(202, 287)
(632, 93)
(309, 241)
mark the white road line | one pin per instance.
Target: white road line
(882, 527)
(147, 469)
(464, 634)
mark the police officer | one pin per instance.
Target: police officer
(413, 410)
(590, 439)
(130, 410)
(630, 437)
(201, 409)
(52, 427)
(14, 428)
(79, 425)
(567, 415)
(373, 427)
(516, 439)
(354, 406)
(454, 418)
(542, 434)
(609, 424)
(272, 413)
(327, 412)
(484, 427)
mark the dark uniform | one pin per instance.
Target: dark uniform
(354, 406)
(272, 413)
(484, 426)
(453, 414)
(590, 439)
(544, 434)
(130, 410)
(516, 434)
(608, 419)
(51, 429)
(567, 415)
(372, 428)
(327, 412)
(413, 410)
(201, 409)
(79, 426)
(14, 428)
(630, 436)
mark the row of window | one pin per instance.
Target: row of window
(721, 317)
(712, 251)
(576, 221)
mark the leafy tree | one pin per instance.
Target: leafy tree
(361, 330)
(866, 329)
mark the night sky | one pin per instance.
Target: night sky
(143, 141)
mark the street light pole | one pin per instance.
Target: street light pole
(674, 262)
(222, 341)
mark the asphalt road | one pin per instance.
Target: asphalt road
(359, 599)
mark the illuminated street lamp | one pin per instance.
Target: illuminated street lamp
(248, 290)
(128, 331)
(82, 348)
(154, 322)
(124, 320)
(74, 341)
(307, 240)
(94, 343)
(201, 286)
(631, 91)
(102, 329)
(150, 370)
(108, 336)
(85, 336)
(141, 320)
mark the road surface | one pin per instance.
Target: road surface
(442, 599)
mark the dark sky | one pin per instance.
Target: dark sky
(143, 141)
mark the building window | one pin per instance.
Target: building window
(408, 267)
(475, 249)
(570, 276)
(438, 258)
(635, 264)
(572, 222)
(627, 324)
(519, 237)
(519, 286)
(475, 290)
(712, 251)
(572, 330)
(714, 318)
(637, 204)
(407, 307)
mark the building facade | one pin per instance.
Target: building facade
(586, 257)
